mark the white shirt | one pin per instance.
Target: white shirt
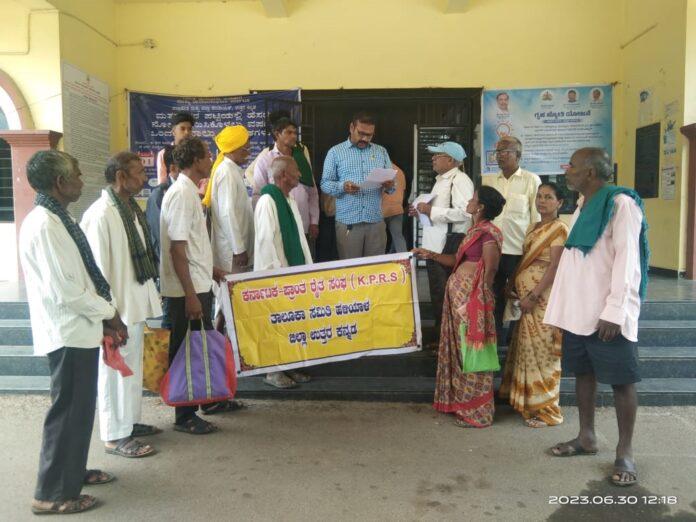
(107, 237)
(268, 245)
(306, 198)
(520, 210)
(452, 190)
(182, 219)
(64, 306)
(232, 217)
(249, 175)
(603, 284)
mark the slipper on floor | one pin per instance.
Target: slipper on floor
(144, 430)
(572, 448)
(224, 407)
(298, 377)
(196, 426)
(534, 422)
(67, 507)
(624, 466)
(130, 448)
(279, 380)
(97, 477)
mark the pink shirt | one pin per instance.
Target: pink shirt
(307, 198)
(162, 173)
(604, 283)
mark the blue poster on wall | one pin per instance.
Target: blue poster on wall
(150, 115)
(551, 123)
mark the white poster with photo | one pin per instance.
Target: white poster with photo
(551, 123)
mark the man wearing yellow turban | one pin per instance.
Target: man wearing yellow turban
(232, 219)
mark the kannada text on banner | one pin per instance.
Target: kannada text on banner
(150, 115)
(551, 123)
(303, 316)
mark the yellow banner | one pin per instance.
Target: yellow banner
(314, 314)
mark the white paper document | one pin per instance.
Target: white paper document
(423, 218)
(376, 177)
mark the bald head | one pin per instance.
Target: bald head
(597, 159)
(285, 173)
(590, 168)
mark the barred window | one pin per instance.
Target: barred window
(6, 199)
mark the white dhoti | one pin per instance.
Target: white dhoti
(120, 398)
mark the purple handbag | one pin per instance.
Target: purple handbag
(202, 370)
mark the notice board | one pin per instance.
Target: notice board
(647, 166)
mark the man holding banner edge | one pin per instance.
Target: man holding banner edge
(280, 240)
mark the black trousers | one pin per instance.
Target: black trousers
(438, 275)
(68, 425)
(506, 268)
(177, 334)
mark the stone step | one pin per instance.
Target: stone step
(655, 362)
(651, 392)
(14, 310)
(15, 332)
(669, 310)
(653, 310)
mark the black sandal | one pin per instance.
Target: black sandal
(144, 430)
(196, 426)
(624, 468)
(97, 477)
(572, 448)
(224, 407)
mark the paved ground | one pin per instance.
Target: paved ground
(364, 461)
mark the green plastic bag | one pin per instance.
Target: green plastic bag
(484, 360)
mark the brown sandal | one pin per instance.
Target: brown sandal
(67, 507)
(130, 448)
(97, 477)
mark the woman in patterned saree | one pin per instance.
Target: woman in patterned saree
(469, 302)
(532, 375)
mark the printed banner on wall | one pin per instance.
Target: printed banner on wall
(314, 314)
(150, 114)
(552, 123)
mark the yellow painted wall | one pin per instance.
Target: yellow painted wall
(216, 47)
(656, 61)
(690, 60)
(82, 45)
(36, 74)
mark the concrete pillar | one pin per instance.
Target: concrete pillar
(23, 144)
(690, 132)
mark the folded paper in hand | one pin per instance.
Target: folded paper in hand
(423, 218)
(376, 177)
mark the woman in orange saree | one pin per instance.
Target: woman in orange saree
(469, 300)
(532, 375)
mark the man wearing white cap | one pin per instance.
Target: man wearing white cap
(452, 191)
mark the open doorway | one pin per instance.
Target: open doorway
(326, 115)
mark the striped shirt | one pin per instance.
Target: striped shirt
(346, 162)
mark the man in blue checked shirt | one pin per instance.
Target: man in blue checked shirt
(360, 229)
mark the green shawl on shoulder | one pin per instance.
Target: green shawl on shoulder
(288, 226)
(595, 216)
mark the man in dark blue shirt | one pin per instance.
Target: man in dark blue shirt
(152, 215)
(154, 201)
